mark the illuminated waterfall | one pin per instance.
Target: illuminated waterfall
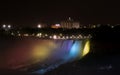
(71, 49)
(46, 53)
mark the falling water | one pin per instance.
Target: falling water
(40, 55)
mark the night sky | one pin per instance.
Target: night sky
(30, 12)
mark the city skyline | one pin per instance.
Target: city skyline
(33, 12)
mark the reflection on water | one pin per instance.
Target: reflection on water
(40, 56)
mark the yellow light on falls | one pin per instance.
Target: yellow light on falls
(40, 53)
(86, 48)
(42, 50)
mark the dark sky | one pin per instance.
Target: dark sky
(31, 12)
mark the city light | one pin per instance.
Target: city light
(67, 37)
(50, 37)
(39, 34)
(77, 37)
(46, 35)
(9, 26)
(60, 34)
(26, 34)
(12, 33)
(19, 34)
(4, 26)
(57, 25)
(58, 37)
(70, 37)
(54, 37)
(112, 26)
(39, 26)
(33, 34)
(63, 37)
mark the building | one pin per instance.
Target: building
(70, 24)
(56, 26)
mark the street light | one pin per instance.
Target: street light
(4, 26)
(39, 26)
(54, 37)
(9, 26)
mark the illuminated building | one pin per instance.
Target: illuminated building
(56, 26)
(69, 24)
